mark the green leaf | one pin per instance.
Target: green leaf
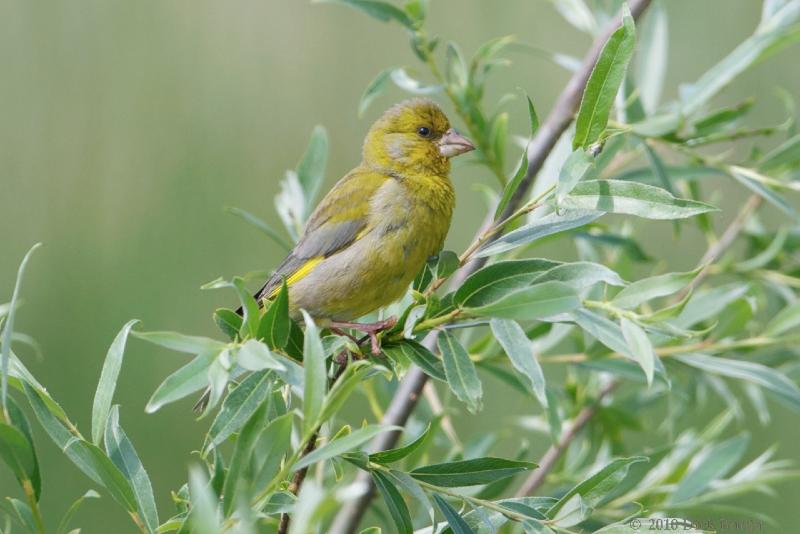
(24, 515)
(747, 177)
(272, 445)
(394, 502)
(494, 281)
(532, 116)
(577, 13)
(275, 324)
(8, 326)
(180, 342)
(604, 82)
(512, 185)
(17, 453)
(597, 487)
(651, 57)
(255, 356)
(382, 11)
(580, 275)
(419, 355)
(311, 169)
(121, 452)
(204, 517)
(343, 444)
(354, 376)
(261, 225)
(719, 459)
(498, 135)
(108, 382)
(552, 223)
(770, 379)
(189, 379)
(456, 522)
(86, 456)
(63, 526)
(239, 406)
(785, 320)
(535, 302)
(462, 377)
(640, 347)
(19, 423)
(228, 321)
(242, 457)
(603, 330)
(785, 155)
(647, 201)
(470, 472)
(771, 35)
(316, 375)
(374, 89)
(654, 287)
(395, 455)
(577, 165)
(519, 349)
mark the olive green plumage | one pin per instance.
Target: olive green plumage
(375, 229)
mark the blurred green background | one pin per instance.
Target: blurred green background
(126, 127)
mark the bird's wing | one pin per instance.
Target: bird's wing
(340, 219)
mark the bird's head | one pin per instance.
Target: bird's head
(411, 137)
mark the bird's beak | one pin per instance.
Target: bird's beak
(453, 143)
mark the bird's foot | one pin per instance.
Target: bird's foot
(371, 329)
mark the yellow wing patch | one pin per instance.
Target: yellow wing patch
(299, 274)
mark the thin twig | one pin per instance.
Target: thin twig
(548, 461)
(300, 474)
(408, 392)
(716, 250)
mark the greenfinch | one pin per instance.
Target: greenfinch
(373, 232)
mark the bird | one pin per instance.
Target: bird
(376, 228)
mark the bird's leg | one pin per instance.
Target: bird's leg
(371, 329)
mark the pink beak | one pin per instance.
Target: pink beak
(453, 143)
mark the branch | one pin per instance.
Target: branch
(410, 388)
(548, 461)
(714, 252)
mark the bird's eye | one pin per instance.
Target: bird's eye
(423, 131)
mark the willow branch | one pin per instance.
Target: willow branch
(410, 388)
(548, 461)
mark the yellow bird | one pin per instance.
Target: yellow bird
(376, 228)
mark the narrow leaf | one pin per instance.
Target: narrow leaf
(239, 406)
(550, 224)
(640, 347)
(456, 522)
(535, 302)
(519, 349)
(647, 201)
(473, 472)
(574, 169)
(654, 287)
(8, 326)
(604, 82)
(394, 502)
(108, 382)
(121, 451)
(462, 377)
(342, 445)
(316, 375)
(275, 324)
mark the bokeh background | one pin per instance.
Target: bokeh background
(126, 127)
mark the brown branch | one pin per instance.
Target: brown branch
(297, 481)
(300, 474)
(714, 252)
(410, 388)
(548, 461)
